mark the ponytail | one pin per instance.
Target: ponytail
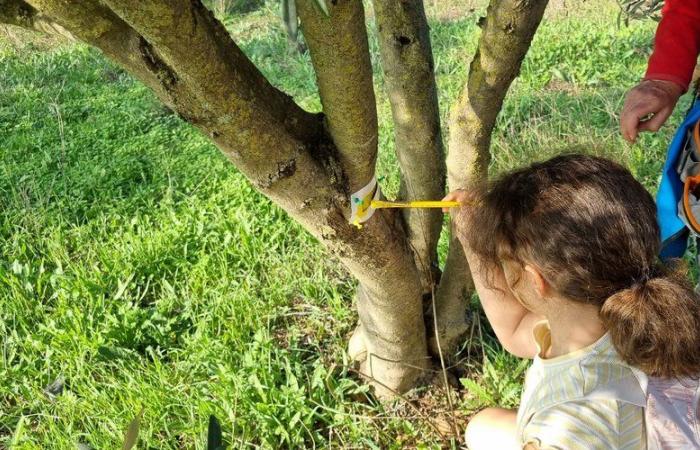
(655, 324)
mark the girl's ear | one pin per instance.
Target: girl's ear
(537, 280)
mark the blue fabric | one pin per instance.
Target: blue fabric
(674, 237)
(675, 246)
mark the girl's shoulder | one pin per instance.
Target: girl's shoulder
(578, 393)
(576, 375)
(583, 381)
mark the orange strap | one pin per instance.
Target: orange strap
(690, 183)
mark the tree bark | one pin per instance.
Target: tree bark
(407, 62)
(507, 33)
(506, 36)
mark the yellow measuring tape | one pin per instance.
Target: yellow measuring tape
(379, 204)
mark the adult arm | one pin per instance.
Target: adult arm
(677, 43)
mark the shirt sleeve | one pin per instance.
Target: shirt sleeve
(587, 425)
(677, 43)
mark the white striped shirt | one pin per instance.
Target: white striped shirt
(552, 412)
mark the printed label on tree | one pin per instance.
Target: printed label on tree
(361, 201)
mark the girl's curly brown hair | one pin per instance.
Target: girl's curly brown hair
(591, 229)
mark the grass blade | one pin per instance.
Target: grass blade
(323, 7)
(19, 430)
(132, 433)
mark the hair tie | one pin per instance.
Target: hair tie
(641, 281)
(655, 271)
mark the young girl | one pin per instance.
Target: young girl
(564, 258)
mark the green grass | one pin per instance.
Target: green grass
(140, 266)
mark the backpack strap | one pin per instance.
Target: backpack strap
(679, 161)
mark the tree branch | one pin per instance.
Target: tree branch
(340, 55)
(208, 81)
(190, 39)
(95, 24)
(507, 34)
(407, 61)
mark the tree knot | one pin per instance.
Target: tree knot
(285, 169)
(157, 66)
(402, 40)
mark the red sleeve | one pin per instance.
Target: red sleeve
(677, 43)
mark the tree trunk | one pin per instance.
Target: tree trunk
(390, 341)
(407, 62)
(506, 36)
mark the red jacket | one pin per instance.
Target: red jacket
(677, 43)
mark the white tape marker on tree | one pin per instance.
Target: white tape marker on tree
(361, 201)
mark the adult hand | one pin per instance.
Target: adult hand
(647, 106)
